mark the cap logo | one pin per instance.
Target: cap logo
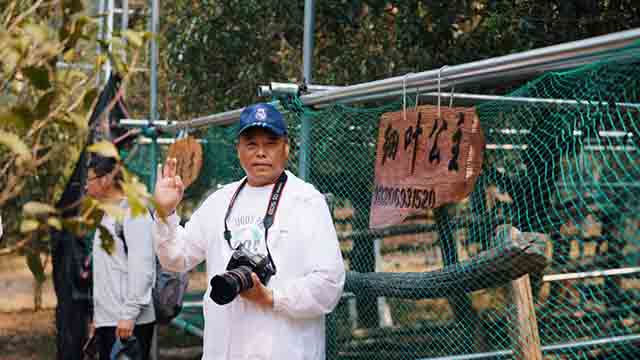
(261, 114)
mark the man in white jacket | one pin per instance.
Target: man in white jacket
(283, 319)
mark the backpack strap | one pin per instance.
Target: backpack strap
(120, 233)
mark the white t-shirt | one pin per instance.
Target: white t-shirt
(246, 219)
(308, 283)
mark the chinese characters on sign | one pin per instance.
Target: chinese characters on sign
(424, 161)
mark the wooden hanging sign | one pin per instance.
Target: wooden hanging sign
(188, 154)
(424, 161)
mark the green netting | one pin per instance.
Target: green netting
(569, 172)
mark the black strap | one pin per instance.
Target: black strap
(274, 200)
(120, 233)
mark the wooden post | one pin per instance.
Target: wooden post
(523, 326)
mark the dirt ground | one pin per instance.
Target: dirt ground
(26, 334)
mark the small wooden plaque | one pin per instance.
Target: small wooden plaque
(188, 154)
(424, 161)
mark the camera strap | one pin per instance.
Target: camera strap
(274, 200)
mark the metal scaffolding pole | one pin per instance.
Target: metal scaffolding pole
(525, 64)
(153, 28)
(307, 69)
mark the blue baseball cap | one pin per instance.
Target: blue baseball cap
(262, 115)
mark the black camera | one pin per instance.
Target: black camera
(237, 278)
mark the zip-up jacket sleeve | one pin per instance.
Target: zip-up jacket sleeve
(180, 249)
(318, 292)
(141, 265)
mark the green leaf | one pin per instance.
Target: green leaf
(12, 119)
(44, 104)
(13, 142)
(107, 242)
(104, 148)
(36, 208)
(35, 265)
(38, 76)
(29, 225)
(89, 98)
(19, 116)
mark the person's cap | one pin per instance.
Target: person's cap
(262, 115)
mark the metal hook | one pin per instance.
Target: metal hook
(439, 77)
(453, 88)
(404, 96)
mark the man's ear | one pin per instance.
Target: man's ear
(286, 150)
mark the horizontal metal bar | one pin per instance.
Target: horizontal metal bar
(591, 274)
(191, 304)
(144, 122)
(523, 64)
(64, 65)
(488, 98)
(546, 348)
(526, 100)
(164, 141)
(187, 327)
(224, 118)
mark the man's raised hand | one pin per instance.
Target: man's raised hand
(169, 187)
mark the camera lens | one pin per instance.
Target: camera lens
(225, 287)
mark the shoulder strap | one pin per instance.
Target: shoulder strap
(120, 233)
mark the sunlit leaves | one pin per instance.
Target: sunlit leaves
(104, 148)
(29, 225)
(35, 208)
(135, 38)
(114, 210)
(15, 144)
(55, 223)
(137, 195)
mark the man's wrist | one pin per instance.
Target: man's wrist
(155, 214)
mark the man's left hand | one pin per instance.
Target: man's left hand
(259, 293)
(125, 328)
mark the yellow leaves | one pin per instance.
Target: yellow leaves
(104, 148)
(15, 144)
(137, 196)
(113, 210)
(135, 38)
(29, 225)
(36, 208)
(55, 223)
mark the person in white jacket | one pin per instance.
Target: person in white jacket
(123, 279)
(285, 318)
